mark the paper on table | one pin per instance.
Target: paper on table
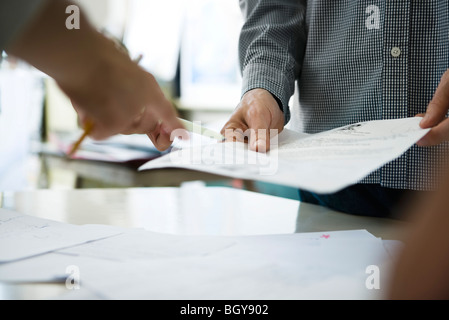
(324, 163)
(319, 265)
(139, 244)
(23, 236)
(116, 149)
(48, 267)
(136, 245)
(334, 269)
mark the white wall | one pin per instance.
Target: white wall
(21, 102)
(108, 14)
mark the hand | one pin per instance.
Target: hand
(103, 83)
(435, 116)
(256, 114)
(123, 98)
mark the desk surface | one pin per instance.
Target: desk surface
(121, 174)
(191, 209)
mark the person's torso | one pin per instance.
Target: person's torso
(368, 60)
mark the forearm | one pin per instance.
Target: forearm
(65, 55)
(271, 46)
(105, 86)
(421, 270)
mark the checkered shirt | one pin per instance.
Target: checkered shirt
(351, 61)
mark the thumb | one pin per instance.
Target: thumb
(259, 134)
(439, 105)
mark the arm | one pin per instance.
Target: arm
(421, 270)
(271, 47)
(101, 80)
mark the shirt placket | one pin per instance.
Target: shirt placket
(395, 75)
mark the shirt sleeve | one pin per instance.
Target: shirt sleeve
(14, 16)
(271, 46)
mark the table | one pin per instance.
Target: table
(191, 209)
(119, 174)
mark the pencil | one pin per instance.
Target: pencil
(87, 130)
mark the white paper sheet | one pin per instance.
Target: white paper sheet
(325, 269)
(137, 245)
(324, 163)
(22, 236)
(49, 267)
(139, 264)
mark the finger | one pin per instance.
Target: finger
(259, 139)
(163, 140)
(147, 123)
(234, 129)
(168, 116)
(439, 105)
(154, 135)
(158, 121)
(162, 137)
(436, 135)
(234, 135)
(170, 127)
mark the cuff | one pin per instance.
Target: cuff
(271, 79)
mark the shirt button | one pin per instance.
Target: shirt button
(395, 52)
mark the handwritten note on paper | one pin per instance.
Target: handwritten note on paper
(324, 163)
(22, 236)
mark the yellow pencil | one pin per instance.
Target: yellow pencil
(87, 130)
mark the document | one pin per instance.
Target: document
(132, 246)
(279, 268)
(313, 265)
(52, 267)
(125, 149)
(23, 236)
(139, 244)
(324, 163)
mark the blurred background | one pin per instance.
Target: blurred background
(191, 47)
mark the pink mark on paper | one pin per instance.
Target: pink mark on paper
(325, 236)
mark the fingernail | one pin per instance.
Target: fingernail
(165, 130)
(261, 145)
(422, 123)
(254, 145)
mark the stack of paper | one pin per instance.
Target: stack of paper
(126, 149)
(121, 263)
